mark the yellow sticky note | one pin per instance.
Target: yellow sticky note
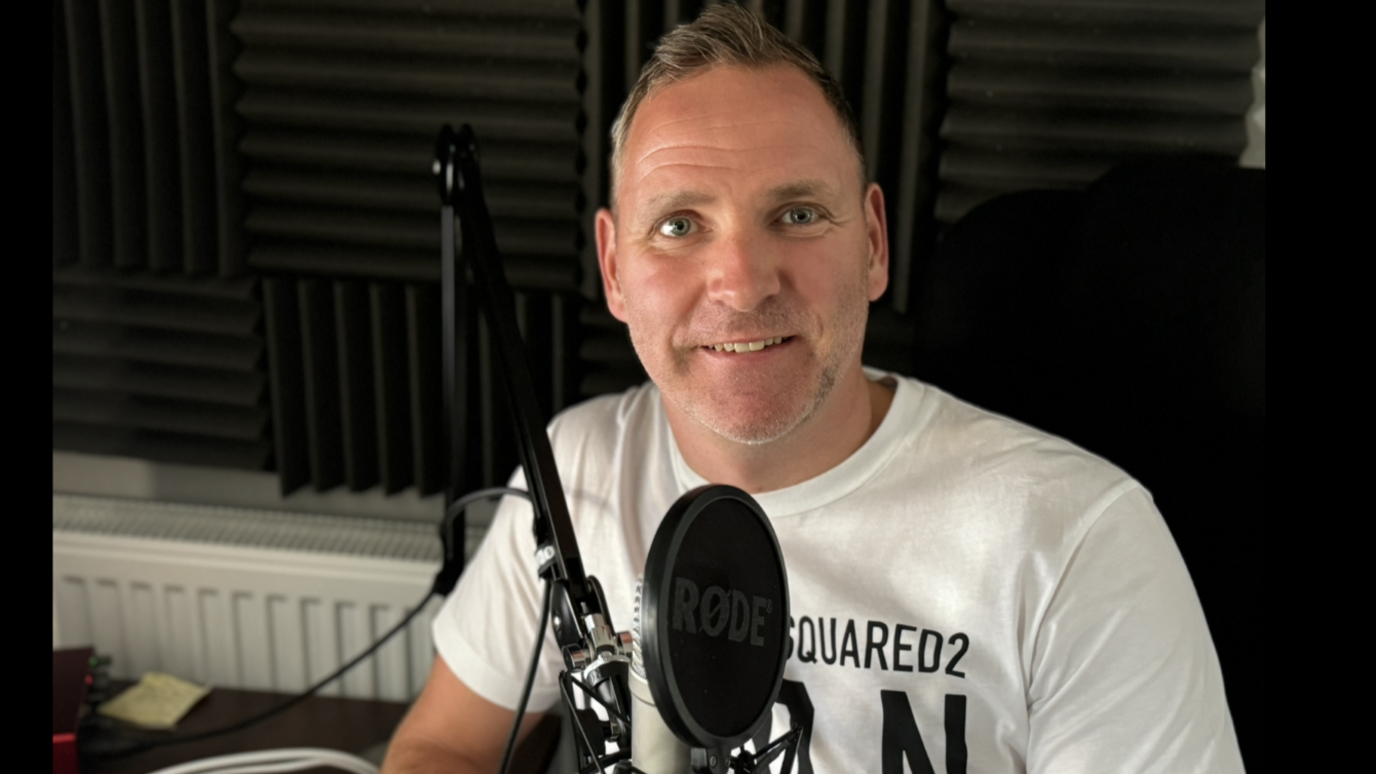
(156, 701)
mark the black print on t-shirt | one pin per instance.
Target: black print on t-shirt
(902, 648)
(900, 738)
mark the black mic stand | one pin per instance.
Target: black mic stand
(582, 624)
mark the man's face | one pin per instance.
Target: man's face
(741, 224)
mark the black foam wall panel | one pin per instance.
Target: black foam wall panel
(244, 187)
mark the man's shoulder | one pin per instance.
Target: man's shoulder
(946, 427)
(1041, 492)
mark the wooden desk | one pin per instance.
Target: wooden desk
(353, 725)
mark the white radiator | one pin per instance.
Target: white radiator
(243, 599)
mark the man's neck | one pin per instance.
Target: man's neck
(851, 415)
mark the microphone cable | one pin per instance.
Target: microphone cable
(442, 585)
(300, 697)
(530, 676)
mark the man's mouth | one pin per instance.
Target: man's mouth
(748, 346)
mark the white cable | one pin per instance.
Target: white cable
(293, 764)
(266, 761)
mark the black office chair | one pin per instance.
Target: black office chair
(1130, 318)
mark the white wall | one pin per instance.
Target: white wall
(102, 476)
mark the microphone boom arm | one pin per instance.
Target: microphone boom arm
(461, 193)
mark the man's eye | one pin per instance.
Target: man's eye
(676, 227)
(800, 216)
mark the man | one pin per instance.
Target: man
(965, 590)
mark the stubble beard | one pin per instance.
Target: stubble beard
(760, 428)
(769, 427)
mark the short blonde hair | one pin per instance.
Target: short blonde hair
(726, 35)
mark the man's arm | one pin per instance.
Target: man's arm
(452, 729)
(1124, 675)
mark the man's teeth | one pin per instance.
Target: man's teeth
(752, 346)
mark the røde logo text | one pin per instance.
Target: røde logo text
(719, 610)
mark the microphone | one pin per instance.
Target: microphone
(654, 748)
(712, 631)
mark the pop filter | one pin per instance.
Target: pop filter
(714, 621)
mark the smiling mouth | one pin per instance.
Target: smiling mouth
(748, 346)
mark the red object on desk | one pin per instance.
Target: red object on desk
(71, 677)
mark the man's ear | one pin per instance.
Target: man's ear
(877, 235)
(606, 261)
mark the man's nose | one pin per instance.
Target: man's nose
(743, 271)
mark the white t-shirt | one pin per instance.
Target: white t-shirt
(966, 591)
